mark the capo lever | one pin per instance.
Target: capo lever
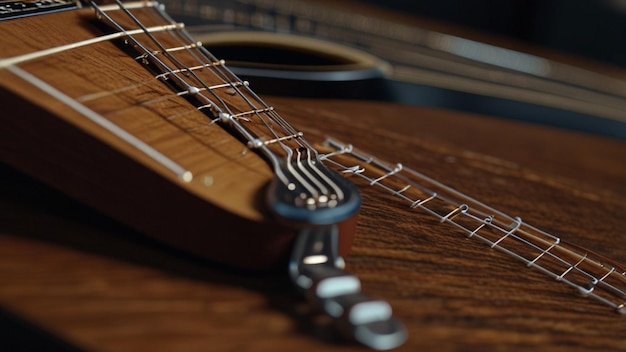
(317, 270)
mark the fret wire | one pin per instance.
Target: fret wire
(548, 250)
(397, 169)
(253, 112)
(509, 233)
(102, 12)
(226, 73)
(543, 252)
(228, 76)
(195, 68)
(572, 267)
(520, 233)
(174, 49)
(150, 54)
(221, 72)
(181, 67)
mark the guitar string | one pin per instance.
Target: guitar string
(483, 217)
(205, 55)
(229, 81)
(302, 168)
(104, 94)
(6, 62)
(521, 228)
(290, 132)
(311, 181)
(311, 153)
(129, 35)
(226, 75)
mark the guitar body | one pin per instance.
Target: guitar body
(75, 278)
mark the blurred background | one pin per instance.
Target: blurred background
(556, 62)
(590, 28)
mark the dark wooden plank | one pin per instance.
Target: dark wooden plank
(97, 285)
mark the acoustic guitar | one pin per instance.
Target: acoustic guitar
(119, 108)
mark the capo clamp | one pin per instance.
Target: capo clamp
(317, 271)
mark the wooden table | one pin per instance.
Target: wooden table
(72, 279)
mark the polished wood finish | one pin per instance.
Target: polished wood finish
(96, 284)
(73, 278)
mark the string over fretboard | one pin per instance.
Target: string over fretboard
(195, 74)
(590, 274)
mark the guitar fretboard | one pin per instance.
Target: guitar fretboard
(590, 274)
(196, 74)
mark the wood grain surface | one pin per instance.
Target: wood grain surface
(84, 281)
(74, 279)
